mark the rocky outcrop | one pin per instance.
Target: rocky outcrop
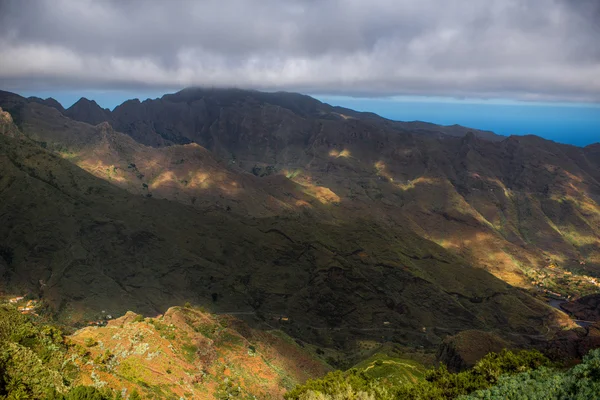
(7, 126)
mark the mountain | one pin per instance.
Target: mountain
(50, 102)
(87, 111)
(83, 245)
(513, 207)
(529, 202)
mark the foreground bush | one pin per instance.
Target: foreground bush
(581, 382)
(438, 384)
(33, 362)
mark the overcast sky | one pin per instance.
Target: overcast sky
(515, 49)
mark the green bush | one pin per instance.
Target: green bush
(82, 393)
(581, 382)
(135, 395)
(138, 318)
(439, 383)
(33, 362)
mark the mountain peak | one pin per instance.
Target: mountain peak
(50, 102)
(85, 101)
(88, 111)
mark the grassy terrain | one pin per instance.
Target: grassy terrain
(437, 383)
(186, 353)
(394, 370)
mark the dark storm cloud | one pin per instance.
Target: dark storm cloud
(525, 49)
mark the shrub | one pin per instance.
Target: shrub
(138, 318)
(439, 383)
(580, 382)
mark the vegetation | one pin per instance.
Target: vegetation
(580, 382)
(34, 362)
(439, 383)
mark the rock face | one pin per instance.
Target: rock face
(7, 126)
(586, 308)
(463, 350)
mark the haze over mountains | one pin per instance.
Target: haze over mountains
(275, 204)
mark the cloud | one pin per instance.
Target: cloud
(517, 49)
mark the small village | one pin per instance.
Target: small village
(24, 306)
(558, 283)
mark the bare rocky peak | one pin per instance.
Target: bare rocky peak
(88, 111)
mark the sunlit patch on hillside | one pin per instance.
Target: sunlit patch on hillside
(572, 177)
(68, 155)
(579, 240)
(344, 153)
(197, 180)
(200, 180)
(422, 180)
(582, 202)
(323, 194)
(292, 174)
(230, 188)
(163, 179)
(483, 248)
(380, 167)
(188, 353)
(344, 116)
(103, 171)
(302, 203)
(498, 182)
(449, 243)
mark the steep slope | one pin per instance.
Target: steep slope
(84, 245)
